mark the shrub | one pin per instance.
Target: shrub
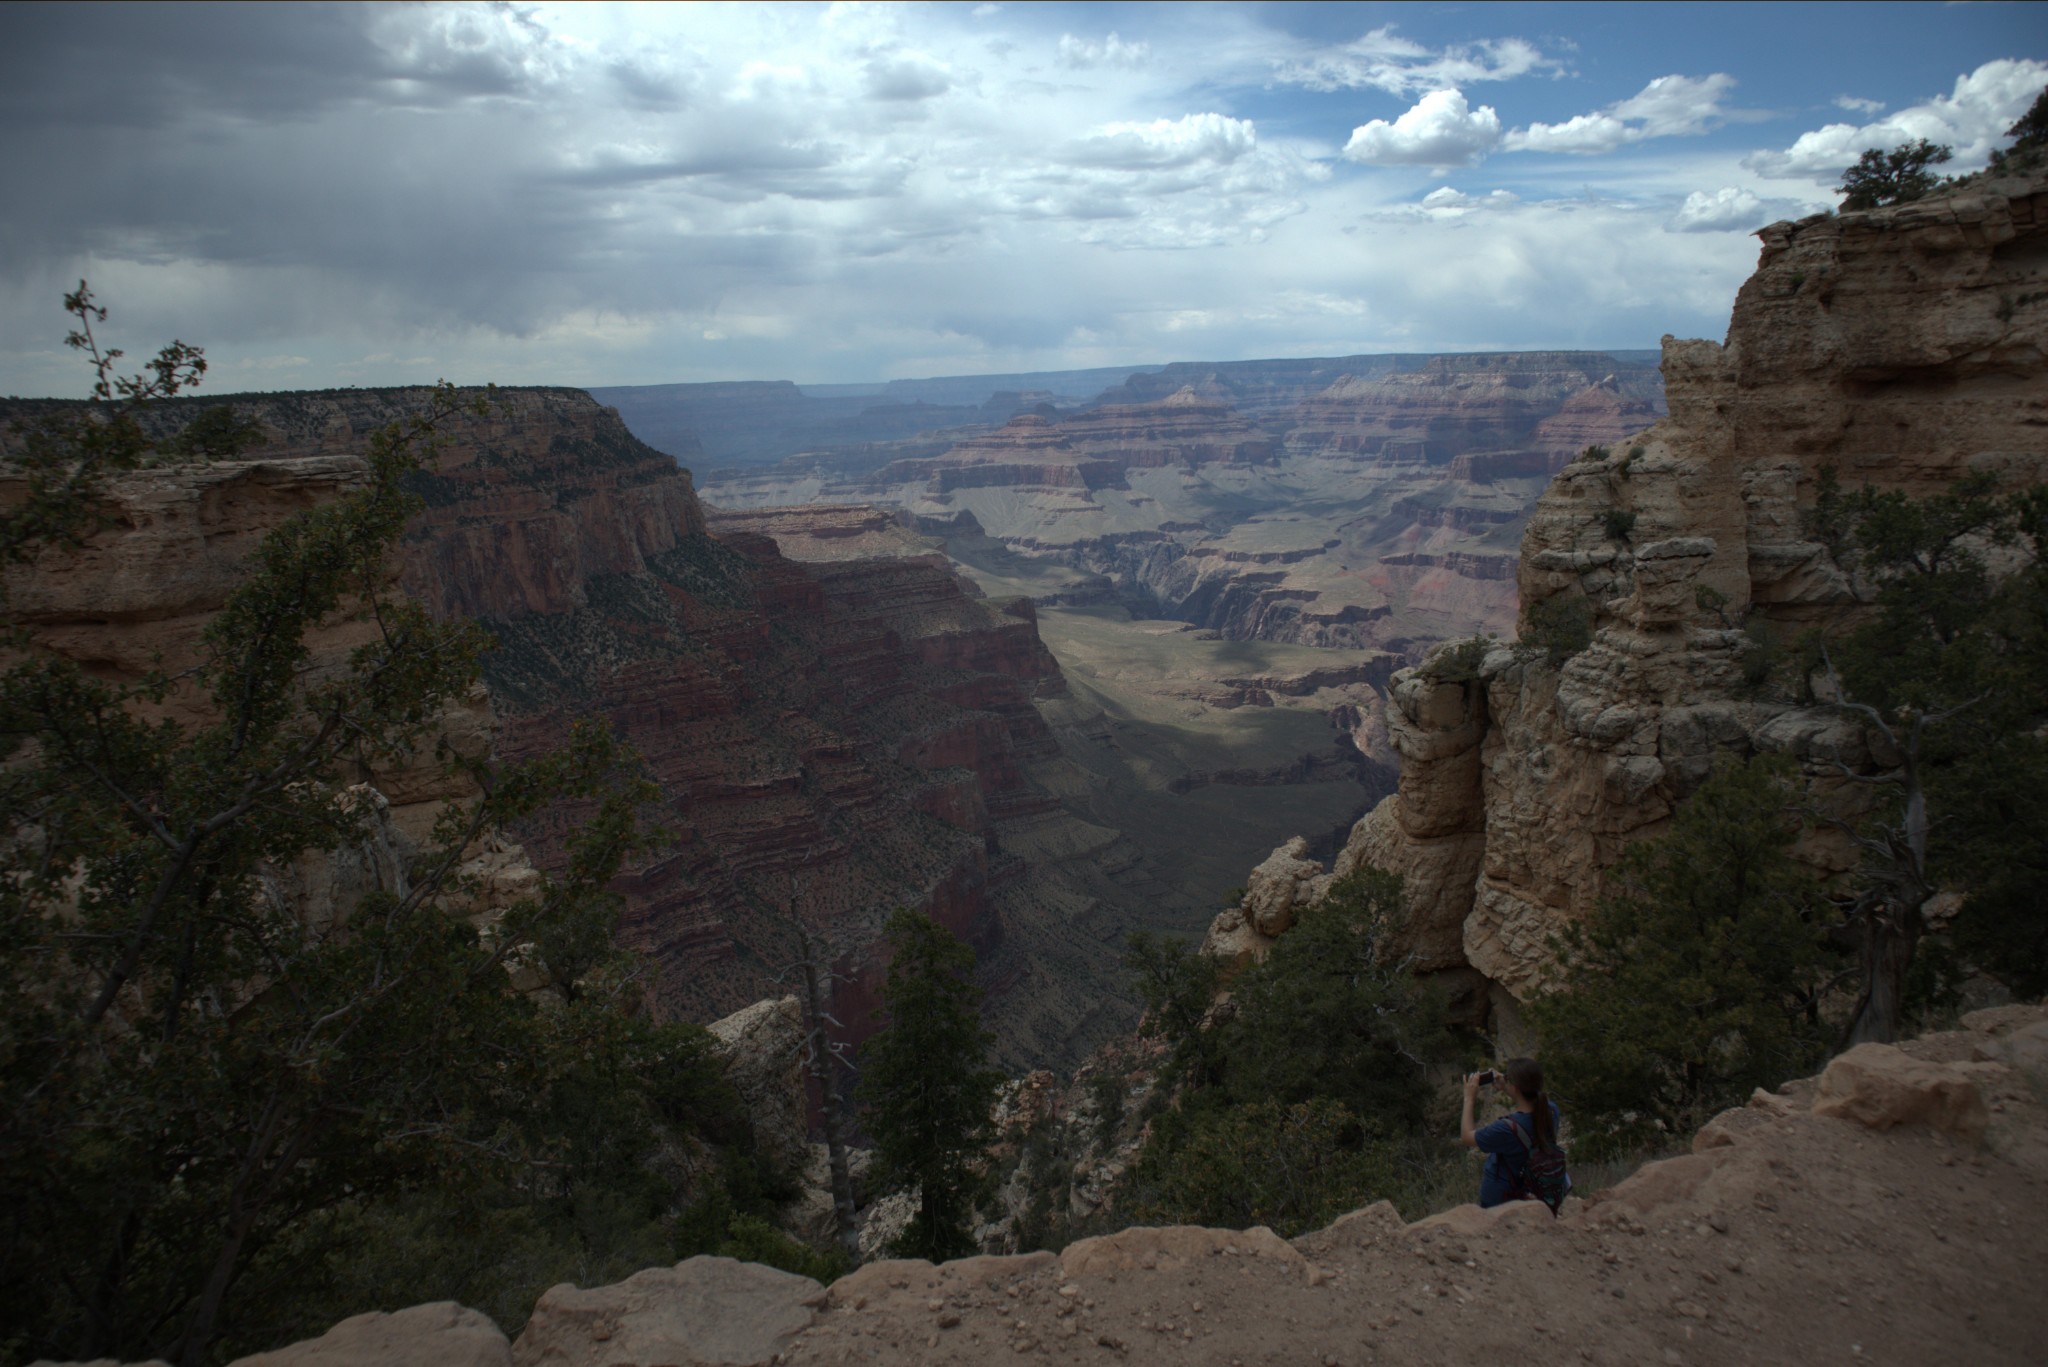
(1618, 523)
(1560, 626)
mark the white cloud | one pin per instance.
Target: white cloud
(1111, 51)
(1723, 210)
(1166, 142)
(1444, 202)
(1972, 120)
(1384, 60)
(1669, 106)
(1440, 130)
(1857, 105)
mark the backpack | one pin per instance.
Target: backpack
(1544, 1176)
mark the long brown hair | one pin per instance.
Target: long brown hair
(1527, 1076)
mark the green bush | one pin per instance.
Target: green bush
(1560, 626)
(1699, 978)
(1618, 523)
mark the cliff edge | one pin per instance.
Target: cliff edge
(1902, 348)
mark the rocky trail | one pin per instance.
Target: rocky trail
(1889, 1211)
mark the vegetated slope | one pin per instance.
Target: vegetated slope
(1890, 345)
(831, 741)
(1880, 1212)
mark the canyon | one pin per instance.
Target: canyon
(1886, 346)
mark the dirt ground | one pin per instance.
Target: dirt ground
(1785, 1237)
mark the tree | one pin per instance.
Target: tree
(1949, 681)
(926, 1085)
(1308, 1094)
(1699, 978)
(196, 1082)
(1899, 176)
(1335, 1012)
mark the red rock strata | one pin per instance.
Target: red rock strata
(851, 736)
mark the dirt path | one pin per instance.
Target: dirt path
(1786, 1236)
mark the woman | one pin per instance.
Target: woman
(1507, 1141)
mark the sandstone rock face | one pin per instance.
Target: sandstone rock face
(441, 1333)
(703, 1312)
(1878, 1086)
(762, 1049)
(1883, 344)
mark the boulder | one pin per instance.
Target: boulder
(703, 1312)
(441, 1332)
(1880, 1086)
(762, 1048)
(1286, 880)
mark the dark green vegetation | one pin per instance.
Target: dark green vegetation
(1899, 176)
(1312, 1092)
(1700, 978)
(226, 1121)
(926, 1087)
(1949, 682)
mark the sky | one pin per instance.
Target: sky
(327, 195)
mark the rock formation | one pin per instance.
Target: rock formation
(851, 736)
(1877, 1212)
(1889, 345)
(1364, 503)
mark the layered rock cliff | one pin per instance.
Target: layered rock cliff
(1903, 348)
(1369, 503)
(831, 740)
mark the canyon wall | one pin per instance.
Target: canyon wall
(1903, 348)
(831, 740)
(1362, 503)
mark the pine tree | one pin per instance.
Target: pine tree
(926, 1084)
(1697, 980)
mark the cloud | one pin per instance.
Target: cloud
(1724, 210)
(1111, 51)
(1444, 199)
(1972, 120)
(1669, 106)
(1440, 130)
(1856, 105)
(1166, 142)
(906, 79)
(1383, 60)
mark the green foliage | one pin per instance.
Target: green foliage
(926, 1085)
(1176, 984)
(218, 433)
(1618, 523)
(752, 1239)
(1593, 453)
(1292, 1167)
(1560, 626)
(1335, 1012)
(1315, 1093)
(1955, 667)
(1697, 980)
(1899, 176)
(212, 1106)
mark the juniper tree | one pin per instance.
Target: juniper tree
(1698, 978)
(1898, 176)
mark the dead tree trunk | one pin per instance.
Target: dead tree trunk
(820, 1059)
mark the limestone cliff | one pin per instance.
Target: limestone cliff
(1904, 347)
